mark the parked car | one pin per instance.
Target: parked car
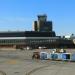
(36, 55)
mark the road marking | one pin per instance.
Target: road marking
(12, 61)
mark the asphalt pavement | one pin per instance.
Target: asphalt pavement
(21, 63)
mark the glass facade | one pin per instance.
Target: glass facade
(12, 41)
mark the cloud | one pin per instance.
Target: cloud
(15, 23)
(14, 20)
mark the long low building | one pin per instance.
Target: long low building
(33, 39)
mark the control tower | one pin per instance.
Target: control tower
(42, 25)
(42, 18)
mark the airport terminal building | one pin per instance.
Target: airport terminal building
(41, 36)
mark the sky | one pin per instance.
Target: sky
(18, 15)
